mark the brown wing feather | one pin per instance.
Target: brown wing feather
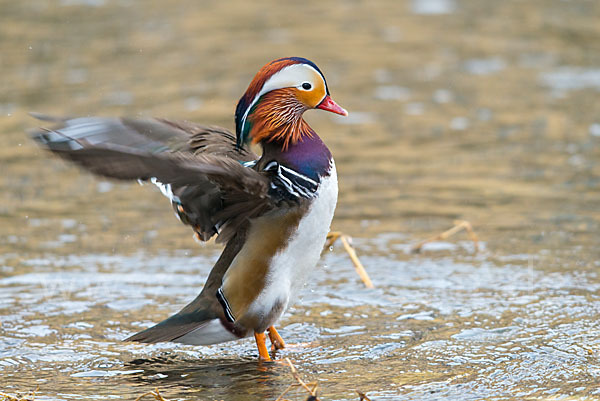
(214, 191)
(213, 140)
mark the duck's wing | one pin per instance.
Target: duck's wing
(211, 139)
(199, 168)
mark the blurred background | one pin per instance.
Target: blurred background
(485, 111)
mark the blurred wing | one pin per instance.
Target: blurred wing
(197, 167)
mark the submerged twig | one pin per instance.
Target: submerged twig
(459, 225)
(347, 243)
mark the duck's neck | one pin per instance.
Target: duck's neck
(308, 156)
(276, 122)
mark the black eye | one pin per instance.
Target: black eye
(306, 86)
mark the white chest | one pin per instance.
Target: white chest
(292, 264)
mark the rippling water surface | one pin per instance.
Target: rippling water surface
(459, 109)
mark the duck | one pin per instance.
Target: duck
(272, 212)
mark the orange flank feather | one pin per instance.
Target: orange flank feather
(278, 117)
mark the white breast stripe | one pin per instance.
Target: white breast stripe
(289, 184)
(295, 173)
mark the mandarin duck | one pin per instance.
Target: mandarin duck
(273, 212)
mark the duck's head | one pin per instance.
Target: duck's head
(272, 107)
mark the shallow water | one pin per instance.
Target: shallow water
(478, 110)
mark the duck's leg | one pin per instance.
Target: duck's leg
(276, 340)
(261, 343)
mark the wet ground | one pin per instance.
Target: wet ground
(479, 110)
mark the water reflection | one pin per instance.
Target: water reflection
(423, 318)
(433, 7)
(566, 79)
(228, 378)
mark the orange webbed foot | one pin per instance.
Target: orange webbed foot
(276, 340)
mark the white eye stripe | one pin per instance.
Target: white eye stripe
(291, 76)
(287, 77)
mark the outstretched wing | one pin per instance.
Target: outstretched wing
(212, 140)
(198, 167)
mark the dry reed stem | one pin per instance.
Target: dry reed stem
(347, 243)
(27, 397)
(156, 394)
(311, 388)
(291, 386)
(459, 225)
(296, 375)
